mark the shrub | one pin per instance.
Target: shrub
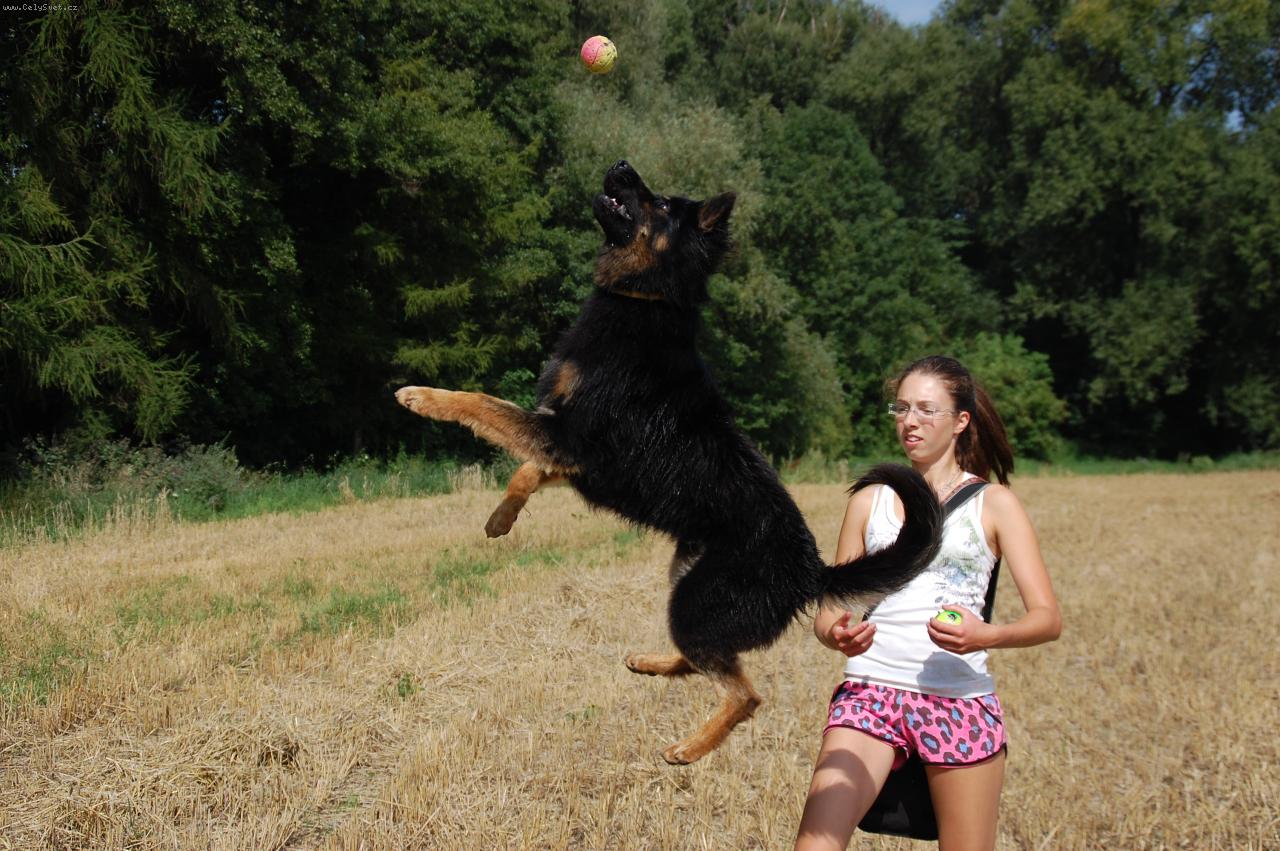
(1021, 385)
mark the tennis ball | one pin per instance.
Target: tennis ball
(948, 616)
(598, 54)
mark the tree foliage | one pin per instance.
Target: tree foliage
(245, 225)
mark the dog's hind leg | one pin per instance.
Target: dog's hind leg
(659, 664)
(502, 423)
(668, 664)
(738, 703)
(523, 484)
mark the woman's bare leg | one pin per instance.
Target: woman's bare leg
(849, 773)
(966, 800)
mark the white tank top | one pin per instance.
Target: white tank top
(902, 656)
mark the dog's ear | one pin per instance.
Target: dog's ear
(714, 212)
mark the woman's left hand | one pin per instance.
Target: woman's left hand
(965, 637)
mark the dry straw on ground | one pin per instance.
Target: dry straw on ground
(380, 676)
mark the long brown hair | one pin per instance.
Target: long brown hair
(983, 447)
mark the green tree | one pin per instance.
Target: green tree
(783, 379)
(1113, 141)
(87, 139)
(404, 201)
(876, 285)
(1235, 372)
(257, 220)
(1020, 385)
(247, 224)
(1081, 154)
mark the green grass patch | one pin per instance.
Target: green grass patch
(358, 480)
(545, 557)
(625, 539)
(298, 588)
(583, 715)
(462, 577)
(342, 610)
(57, 494)
(152, 609)
(1091, 466)
(175, 602)
(53, 664)
(37, 660)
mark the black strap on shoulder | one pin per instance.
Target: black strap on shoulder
(955, 501)
(961, 496)
(989, 606)
(958, 499)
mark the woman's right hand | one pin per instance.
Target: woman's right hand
(851, 639)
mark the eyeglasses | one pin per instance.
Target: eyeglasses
(924, 414)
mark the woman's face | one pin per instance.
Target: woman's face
(926, 439)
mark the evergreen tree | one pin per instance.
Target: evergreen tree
(96, 160)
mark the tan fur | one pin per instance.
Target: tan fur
(710, 215)
(659, 664)
(495, 420)
(531, 476)
(617, 264)
(523, 485)
(639, 295)
(566, 380)
(739, 703)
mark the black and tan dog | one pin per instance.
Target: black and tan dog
(629, 416)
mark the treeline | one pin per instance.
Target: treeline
(246, 224)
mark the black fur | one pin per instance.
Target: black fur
(629, 414)
(654, 441)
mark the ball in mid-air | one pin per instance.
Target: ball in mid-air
(948, 616)
(598, 54)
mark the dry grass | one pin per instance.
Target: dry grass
(380, 676)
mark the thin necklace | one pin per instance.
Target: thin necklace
(946, 489)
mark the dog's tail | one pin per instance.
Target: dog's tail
(865, 581)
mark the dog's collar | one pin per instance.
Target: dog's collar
(635, 294)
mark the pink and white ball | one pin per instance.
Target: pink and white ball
(598, 54)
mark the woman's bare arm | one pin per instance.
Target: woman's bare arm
(832, 625)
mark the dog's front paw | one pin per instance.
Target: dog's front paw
(424, 401)
(683, 753)
(502, 519)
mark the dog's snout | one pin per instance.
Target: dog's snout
(622, 174)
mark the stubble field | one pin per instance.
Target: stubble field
(382, 676)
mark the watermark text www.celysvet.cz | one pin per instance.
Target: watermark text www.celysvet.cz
(37, 7)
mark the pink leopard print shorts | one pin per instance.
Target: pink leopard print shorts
(940, 730)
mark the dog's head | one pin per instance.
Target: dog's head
(658, 247)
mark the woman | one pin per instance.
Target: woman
(914, 684)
